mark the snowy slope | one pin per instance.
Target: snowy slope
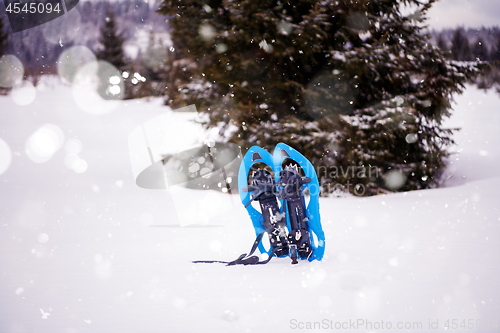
(89, 251)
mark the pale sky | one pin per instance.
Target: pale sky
(468, 13)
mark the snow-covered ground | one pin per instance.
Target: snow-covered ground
(83, 249)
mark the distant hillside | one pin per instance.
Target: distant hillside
(489, 36)
(39, 48)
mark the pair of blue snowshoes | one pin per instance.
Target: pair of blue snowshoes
(279, 184)
(273, 189)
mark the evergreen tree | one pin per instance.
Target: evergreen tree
(349, 84)
(111, 42)
(441, 43)
(479, 51)
(460, 48)
(153, 67)
(495, 53)
(4, 36)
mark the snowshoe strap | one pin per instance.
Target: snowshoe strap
(241, 259)
(259, 192)
(245, 259)
(253, 260)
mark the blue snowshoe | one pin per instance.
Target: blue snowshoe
(295, 175)
(279, 183)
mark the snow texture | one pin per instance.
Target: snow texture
(89, 251)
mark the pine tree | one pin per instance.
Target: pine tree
(153, 66)
(404, 90)
(495, 69)
(496, 51)
(460, 48)
(350, 84)
(479, 51)
(112, 43)
(441, 43)
(4, 36)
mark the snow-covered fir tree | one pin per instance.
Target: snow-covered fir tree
(441, 43)
(403, 88)
(148, 73)
(495, 53)
(480, 51)
(352, 84)
(460, 48)
(111, 41)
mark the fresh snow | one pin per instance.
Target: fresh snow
(83, 249)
